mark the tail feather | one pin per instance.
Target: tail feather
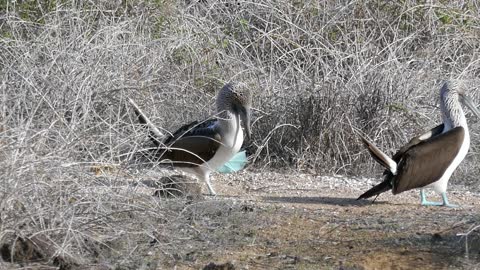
(379, 156)
(235, 164)
(376, 190)
(155, 134)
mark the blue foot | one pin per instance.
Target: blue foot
(425, 202)
(236, 163)
(428, 203)
(445, 201)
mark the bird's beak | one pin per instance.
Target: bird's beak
(469, 103)
(246, 122)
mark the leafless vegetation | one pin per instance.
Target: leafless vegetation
(321, 71)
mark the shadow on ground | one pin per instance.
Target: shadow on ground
(339, 201)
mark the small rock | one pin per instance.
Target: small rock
(247, 208)
(272, 254)
(223, 266)
(436, 237)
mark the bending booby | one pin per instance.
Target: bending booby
(429, 159)
(199, 148)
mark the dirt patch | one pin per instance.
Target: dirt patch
(282, 221)
(325, 227)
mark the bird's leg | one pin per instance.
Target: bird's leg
(427, 203)
(375, 198)
(204, 174)
(445, 201)
(206, 177)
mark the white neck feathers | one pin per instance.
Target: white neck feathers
(452, 113)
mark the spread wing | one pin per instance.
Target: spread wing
(426, 161)
(416, 140)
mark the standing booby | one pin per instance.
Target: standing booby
(429, 159)
(199, 148)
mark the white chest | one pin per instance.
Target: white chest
(232, 140)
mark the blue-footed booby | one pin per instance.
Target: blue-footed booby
(429, 159)
(199, 148)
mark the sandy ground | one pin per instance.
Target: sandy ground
(269, 220)
(296, 221)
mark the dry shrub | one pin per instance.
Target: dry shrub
(321, 71)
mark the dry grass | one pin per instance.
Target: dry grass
(321, 70)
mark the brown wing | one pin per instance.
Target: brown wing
(425, 162)
(190, 151)
(416, 140)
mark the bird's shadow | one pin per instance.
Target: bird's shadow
(339, 201)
